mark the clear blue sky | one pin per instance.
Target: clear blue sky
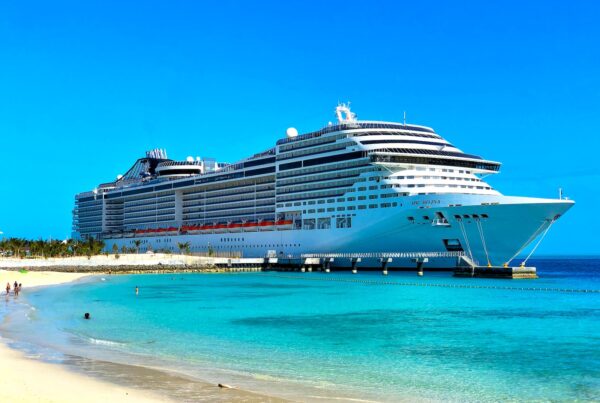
(87, 86)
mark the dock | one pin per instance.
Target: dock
(418, 262)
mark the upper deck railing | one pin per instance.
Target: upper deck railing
(355, 125)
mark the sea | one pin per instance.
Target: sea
(326, 336)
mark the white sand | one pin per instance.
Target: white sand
(24, 379)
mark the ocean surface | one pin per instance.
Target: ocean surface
(317, 336)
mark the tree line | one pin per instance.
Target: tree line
(21, 247)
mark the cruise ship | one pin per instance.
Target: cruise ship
(352, 188)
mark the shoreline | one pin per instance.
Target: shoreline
(25, 378)
(28, 377)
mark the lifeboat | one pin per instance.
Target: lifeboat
(140, 232)
(249, 226)
(234, 226)
(171, 230)
(266, 225)
(284, 224)
(220, 227)
(192, 229)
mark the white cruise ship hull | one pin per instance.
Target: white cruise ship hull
(503, 227)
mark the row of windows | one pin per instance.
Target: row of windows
(237, 196)
(258, 200)
(322, 177)
(149, 200)
(457, 216)
(152, 207)
(323, 160)
(328, 168)
(221, 216)
(241, 189)
(325, 223)
(311, 143)
(229, 206)
(387, 141)
(91, 203)
(320, 186)
(314, 195)
(403, 159)
(146, 217)
(349, 208)
(315, 150)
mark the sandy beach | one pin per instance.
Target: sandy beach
(25, 379)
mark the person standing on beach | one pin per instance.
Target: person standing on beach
(7, 288)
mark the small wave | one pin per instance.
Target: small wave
(103, 342)
(348, 399)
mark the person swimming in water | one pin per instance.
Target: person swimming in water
(137, 290)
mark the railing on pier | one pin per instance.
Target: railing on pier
(406, 255)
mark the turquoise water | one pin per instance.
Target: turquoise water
(311, 335)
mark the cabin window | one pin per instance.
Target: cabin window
(309, 223)
(343, 222)
(324, 223)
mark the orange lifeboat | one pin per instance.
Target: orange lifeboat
(266, 225)
(284, 224)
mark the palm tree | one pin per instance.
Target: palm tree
(183, 246)
(137, 244)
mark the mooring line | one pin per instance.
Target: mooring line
(440, 285)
